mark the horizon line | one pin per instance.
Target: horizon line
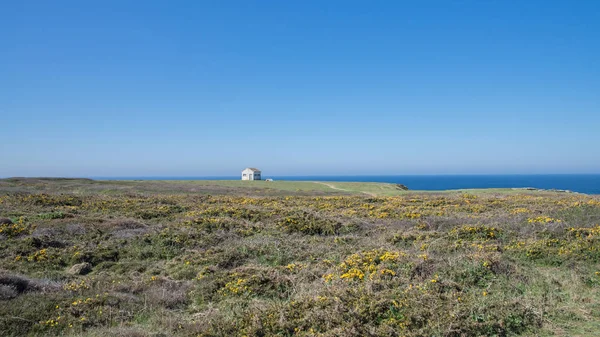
(124, 177)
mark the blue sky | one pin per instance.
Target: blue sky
(147, 88)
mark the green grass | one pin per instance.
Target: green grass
(361, 188)
(308, 186)
(220, 187)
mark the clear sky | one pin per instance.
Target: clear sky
(193, 88)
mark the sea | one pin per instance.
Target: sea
(582, 183)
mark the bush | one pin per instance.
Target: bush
(310, 224)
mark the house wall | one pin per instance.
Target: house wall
(251, 175)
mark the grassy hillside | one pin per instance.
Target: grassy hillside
(85, 258)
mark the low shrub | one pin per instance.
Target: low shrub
(310, 224)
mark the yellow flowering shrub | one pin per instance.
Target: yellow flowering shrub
(311, 224)
(16, 229)
(40, 255)
(542, 220)
(369, 264)
(469, 232)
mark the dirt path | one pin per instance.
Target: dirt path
(343, 189)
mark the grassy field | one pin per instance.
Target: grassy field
(232, 258)
(219, 187)
(203, 186)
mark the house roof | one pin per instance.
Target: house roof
(252, 169)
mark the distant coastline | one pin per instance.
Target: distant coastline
(582, 183)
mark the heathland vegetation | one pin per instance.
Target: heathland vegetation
(87, 258)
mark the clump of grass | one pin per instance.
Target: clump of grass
(54, 215)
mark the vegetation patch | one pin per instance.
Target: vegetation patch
(156, 258)
(311, 224)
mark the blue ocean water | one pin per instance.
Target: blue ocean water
(583, 183)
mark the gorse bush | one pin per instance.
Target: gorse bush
(15, 229)
(307, 223)
(475, 232)
(576, 243)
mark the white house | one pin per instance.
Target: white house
(251, 173)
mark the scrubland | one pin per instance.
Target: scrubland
(84, 258)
